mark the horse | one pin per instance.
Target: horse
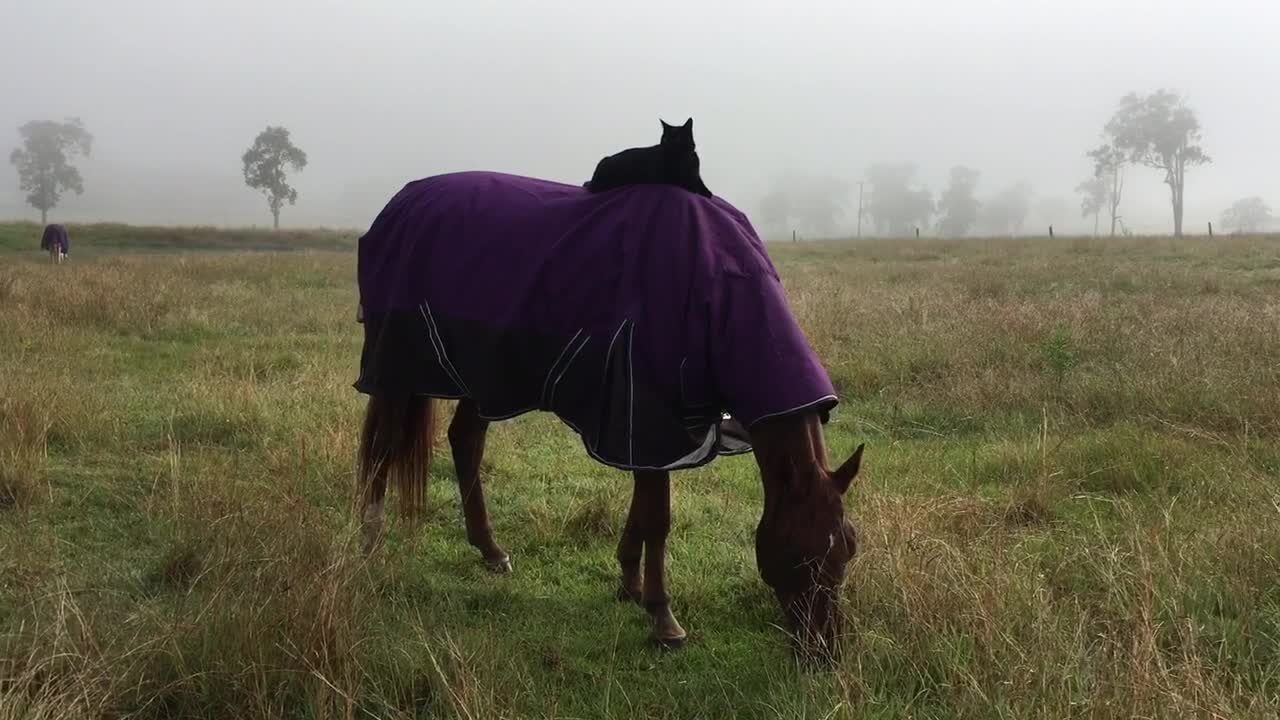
(649, 320)
(56, 242)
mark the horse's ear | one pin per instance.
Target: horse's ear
(688, 125)
(843, 477)
(665, 126)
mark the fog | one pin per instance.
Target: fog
(381, 92)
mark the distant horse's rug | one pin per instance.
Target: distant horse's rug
(55, 236)
(636, 316)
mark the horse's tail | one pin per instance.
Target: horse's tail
(396, 444)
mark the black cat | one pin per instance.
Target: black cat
(673, 161)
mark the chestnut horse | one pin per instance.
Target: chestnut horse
(636, 316)
(803, 540)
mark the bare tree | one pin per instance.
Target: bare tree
(1108, 166)
(1093, 196)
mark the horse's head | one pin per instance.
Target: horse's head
(803, 541)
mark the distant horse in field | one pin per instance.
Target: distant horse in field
(638, 317)
(55, 242)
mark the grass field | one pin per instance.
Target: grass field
(1069, 505)
(100, 238)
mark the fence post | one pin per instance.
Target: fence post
(1210, 230)
(917, 233)
(1050, 232)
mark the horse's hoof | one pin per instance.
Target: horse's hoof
(667, 632)
(675, 642)
(370, 542)
(501, 566)
(626, 595)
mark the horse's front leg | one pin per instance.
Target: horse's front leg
(650, 518)
(466, 437)
(631, 548)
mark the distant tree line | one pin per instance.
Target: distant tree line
(46, 171)
(1157, 131)
(1248, 215)
(896, 204)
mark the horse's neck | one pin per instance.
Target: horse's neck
(787, 451)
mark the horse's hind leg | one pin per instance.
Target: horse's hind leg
(372, 515)
(651, 513)
(466, 438)
(395, 443)
(377, 446)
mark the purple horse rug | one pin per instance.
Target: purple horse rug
(638, 316)
(55, 236)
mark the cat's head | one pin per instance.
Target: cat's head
(678, 136)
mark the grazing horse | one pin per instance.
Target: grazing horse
(55, 242)
(639, 317)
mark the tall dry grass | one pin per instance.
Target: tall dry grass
(24, 429)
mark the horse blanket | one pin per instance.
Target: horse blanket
(642, 317)
(55, 235)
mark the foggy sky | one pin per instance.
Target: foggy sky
(381, 92)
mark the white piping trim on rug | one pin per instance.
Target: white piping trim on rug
(431, 321)
(795, 409)
(546, 382)
(684, 396)
(552, 397)
(434, 346)
(681, 464)
(631, 396)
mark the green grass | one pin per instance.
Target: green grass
(1069, 506)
